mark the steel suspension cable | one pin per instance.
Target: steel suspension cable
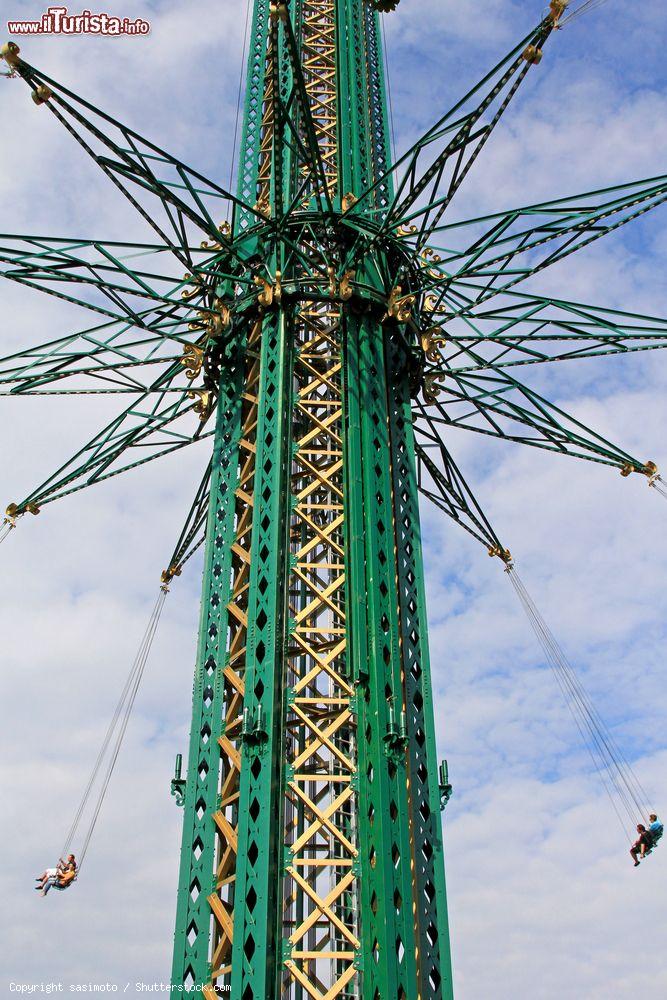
(600, 743)
(238, 100)
(115, 734)
(108, 736)
(593, 718)
(584, 8)
(602, 738)
(5, 528)
(597, 763)
(660, 486)
(590, 738)
(389, 90)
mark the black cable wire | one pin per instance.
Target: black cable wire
(121, 732)
(238, 100)
(121, 714)
(602, 747)
(389, 90)
(608, 747)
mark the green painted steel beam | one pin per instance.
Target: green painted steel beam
(191, 961)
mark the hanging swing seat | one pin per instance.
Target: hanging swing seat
(65, 880)
(655, 838)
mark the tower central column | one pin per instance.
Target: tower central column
(312, 860)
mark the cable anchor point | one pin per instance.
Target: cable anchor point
(498, 552)
(649, 469)
(652, 472)
(16, 510)
(399, 306)
(10, 53)
(556, 10)
(168, 575)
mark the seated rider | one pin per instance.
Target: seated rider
(68, 873)
(655, 828)
(60, 877)
(643, 844)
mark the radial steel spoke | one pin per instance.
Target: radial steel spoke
(137, 166)
(520, 329)
(505, 251)
(441, 482)
(152, 426)
(497, 404)
(193, 534)
(434, 168)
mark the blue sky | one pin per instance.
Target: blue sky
(544, 900)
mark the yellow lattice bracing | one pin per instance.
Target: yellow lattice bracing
(265, 165)
(320, 907)
(320, 73)
(320, 897)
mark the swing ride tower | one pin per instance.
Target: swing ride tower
(312, 851)
(324, 340)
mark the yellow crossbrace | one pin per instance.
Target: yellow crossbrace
(320, 890)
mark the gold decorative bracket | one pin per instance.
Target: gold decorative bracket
(203, 403)
(190, 293)
(433, 387)
(431, 340)
(399, 306)
(192, 361)
(270, 294)
(346, 290)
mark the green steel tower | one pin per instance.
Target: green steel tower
(323, 340)
(312, 853)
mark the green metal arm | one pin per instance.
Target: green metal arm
(444, 485)
(498, 405)
(522, 329)
(184, 195)
(505, 251)
(193, 534)
(455, 141)
(145, 428)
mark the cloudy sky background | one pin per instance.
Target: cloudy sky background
(544, 901)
